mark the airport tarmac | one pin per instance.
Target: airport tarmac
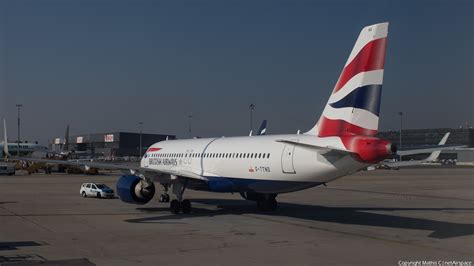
(381, 217)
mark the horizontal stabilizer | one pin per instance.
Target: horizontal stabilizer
(311, 146)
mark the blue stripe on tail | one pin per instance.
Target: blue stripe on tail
(366, 97)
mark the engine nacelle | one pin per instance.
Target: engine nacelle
(370, 149)
(132, 189)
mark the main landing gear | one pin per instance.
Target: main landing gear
(268, 203)
(265, 202)
(179, 205)
(165, 197)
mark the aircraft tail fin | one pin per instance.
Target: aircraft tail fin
(263, 128)
(354, 105)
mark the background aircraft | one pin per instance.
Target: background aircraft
(432, 157)
(262, 130)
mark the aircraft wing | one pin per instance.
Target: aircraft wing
(426, 150)
(110, 166)
(435, 152)
(403, 163)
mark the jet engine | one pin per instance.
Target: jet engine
(132, 189)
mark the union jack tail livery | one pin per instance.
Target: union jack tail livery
(354, 105)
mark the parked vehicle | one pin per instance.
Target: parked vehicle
(7, 169)
(96, 190)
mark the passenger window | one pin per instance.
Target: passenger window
(268, 155)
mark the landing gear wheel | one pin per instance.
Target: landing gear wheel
(261, 205)
(164, 198)
(175, 206)
(267, 205)
(272, 204)
(186, 206)
(84, 195)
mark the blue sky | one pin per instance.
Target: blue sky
(106, 65)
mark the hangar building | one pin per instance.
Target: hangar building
(120, 144)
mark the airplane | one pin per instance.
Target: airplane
(341, 143)
(396, 165)
(24, 148)
(262, 130)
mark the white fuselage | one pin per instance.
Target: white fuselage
(249, 161)
(24, 147)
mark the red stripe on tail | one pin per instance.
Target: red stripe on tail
(328, 127)
(371, 57)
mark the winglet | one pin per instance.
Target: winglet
(434, 155)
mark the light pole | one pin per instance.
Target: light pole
(141, 132)
(190, 117)
(18, 106)
(401, 128)
(251, 107)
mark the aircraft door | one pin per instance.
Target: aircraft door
(287, 165)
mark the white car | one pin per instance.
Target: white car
(7, 168)
(96, 190)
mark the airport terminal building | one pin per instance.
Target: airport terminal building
(119, 144)
(413, 138)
